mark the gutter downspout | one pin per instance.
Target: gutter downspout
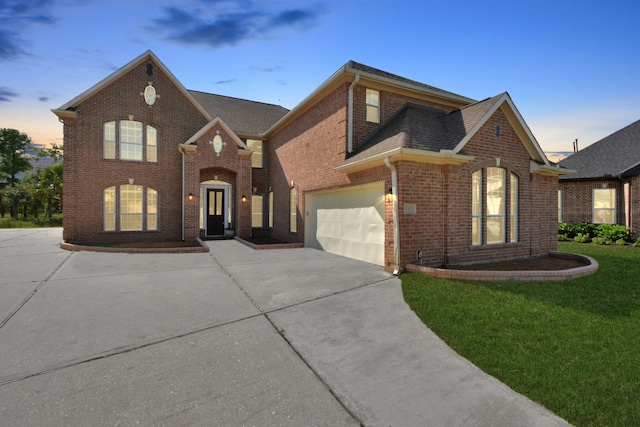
(350, 119)
(396, 220)
(183, 177)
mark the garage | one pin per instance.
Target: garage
(347, 222)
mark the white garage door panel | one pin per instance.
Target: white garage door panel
(348, 222)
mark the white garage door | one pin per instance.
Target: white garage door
(347, 222)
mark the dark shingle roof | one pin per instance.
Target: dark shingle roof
(423, 128)
(615, 155)
(243, 116)
(380, 73)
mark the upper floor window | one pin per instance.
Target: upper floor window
(132, 139)
(489, 208)
(255, 145)
(373, 106)
(604, 205)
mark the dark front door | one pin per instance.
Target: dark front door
(215, 212)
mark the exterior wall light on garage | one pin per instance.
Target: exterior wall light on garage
(389, 195)
(191, 197)
(244, 199)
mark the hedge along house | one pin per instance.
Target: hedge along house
(605, 187)
(370, 165)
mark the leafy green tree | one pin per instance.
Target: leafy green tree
(13, 161)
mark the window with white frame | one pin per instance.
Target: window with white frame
(130, 140)
(373, 105)
(256, 211)
(134, 140)
(293, 216)
(109, 145)
(255, 145)
(495, 205)
(270, 209)
(476, 208)
(604, 206)
(126, 206)
(513, 208)
(109, 209)
(152, 144)
(559, 205)
(490, 207)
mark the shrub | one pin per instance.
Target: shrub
(614, 232)
(563, 237)
(636, 244)
(566, 229)
(585, 228)
(600, 241)
(621, 242)
(582, 238)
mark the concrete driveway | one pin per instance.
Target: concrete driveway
(234, 337)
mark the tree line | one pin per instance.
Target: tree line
(24, 189)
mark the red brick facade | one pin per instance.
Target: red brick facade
(304, 153)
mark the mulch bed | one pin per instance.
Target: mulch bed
(529, 264)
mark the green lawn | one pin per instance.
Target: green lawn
(572, 346)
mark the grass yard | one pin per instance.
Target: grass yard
(572, 346)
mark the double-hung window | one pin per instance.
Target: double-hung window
(490, 207)
(604, 206)
(373, 105)
(130, 140)
(255, 145)
(293, 213)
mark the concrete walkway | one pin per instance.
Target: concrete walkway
(234, 337)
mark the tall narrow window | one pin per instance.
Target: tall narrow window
(373, 106)
(476, 208)
(131, 207)
(604, 206)
(293, 216)
(109, 143)
(130, 140)
(152, 209)
(495, 205)
(513, 209)
(256, 211)
(110, 209)
(255, 145)
(152, 144)
(559, 205)
(270, 209)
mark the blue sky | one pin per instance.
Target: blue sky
(571, 67)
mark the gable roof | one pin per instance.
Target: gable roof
(438, 137)
(613, 156)
(243, 116)
(68, 109)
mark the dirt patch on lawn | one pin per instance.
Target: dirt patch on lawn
(543, 263)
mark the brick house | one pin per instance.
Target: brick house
(370, 165)
(605, 187)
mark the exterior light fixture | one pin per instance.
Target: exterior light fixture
(389, 195)
(244, 199)
(191, 197)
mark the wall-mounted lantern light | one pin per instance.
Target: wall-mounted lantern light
(244, 199)
(191, 197)
(389, 195)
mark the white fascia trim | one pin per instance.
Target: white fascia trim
(409, 154)
(224, 126)
(548, 170)
(410, 86)
(126, 68)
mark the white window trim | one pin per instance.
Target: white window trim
(614, 209)
(477, 216)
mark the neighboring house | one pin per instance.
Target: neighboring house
(605, 187)
(370, 165)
